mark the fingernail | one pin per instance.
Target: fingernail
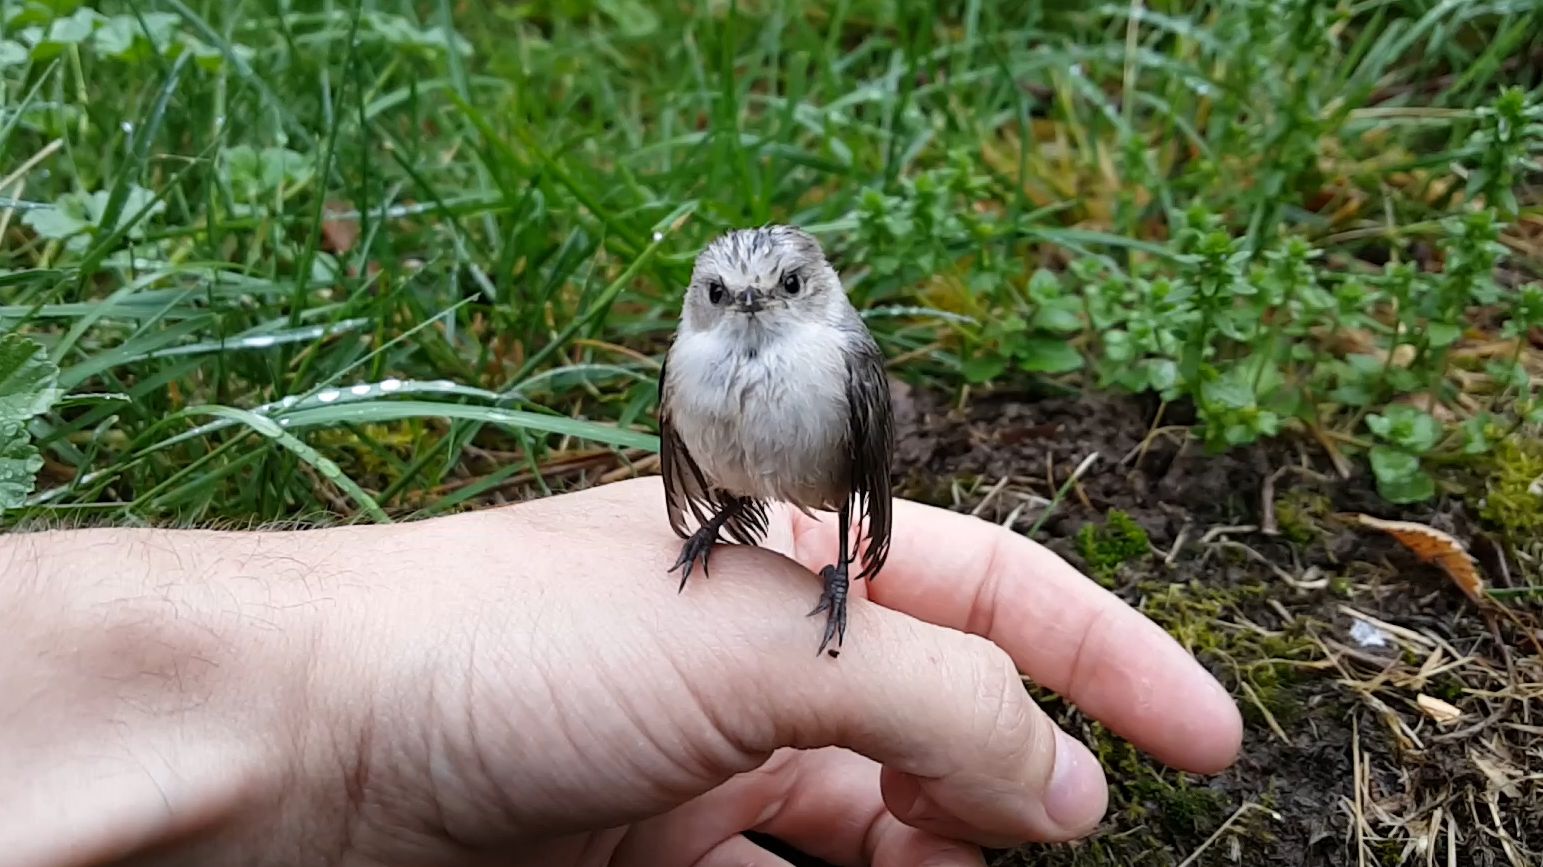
(1078, 794)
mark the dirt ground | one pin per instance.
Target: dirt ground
(1344, 762)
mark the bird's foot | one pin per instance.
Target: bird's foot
(697, 547)
(834, 601)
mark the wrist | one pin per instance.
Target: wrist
(171, 682)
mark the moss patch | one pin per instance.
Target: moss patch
(1300, 513)
(1510, 502)
(1108, 547)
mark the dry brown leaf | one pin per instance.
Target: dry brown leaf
(1502, 778)
(1485, 349)
(1438, 710)
(339, 236)
(1433, 546)
(1425, 403)
(1358, 341)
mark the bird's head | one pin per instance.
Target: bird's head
(766, 278)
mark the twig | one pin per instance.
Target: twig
(1267, 523)
(619, 350)
(1452, 839)
(1211, 534)
(1269, 718)
(1236, 814)
(627, 470)
(1509, 845)
(1465, 732)
(990, 495)
(911, 355)
(1178, 543)
(1355, 771)
(1012, 517)
(1282, 574)
(1146, 441)
(1139, 450)
(31, 162)
(1341, 465)
(1061, 492)
(18, 176)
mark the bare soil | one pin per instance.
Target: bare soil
(1341, 764)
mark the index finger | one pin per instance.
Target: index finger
(1060, 628)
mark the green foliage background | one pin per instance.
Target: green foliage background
(280, 258)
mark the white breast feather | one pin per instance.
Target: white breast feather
(771, 425)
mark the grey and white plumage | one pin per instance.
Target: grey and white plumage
(774, 390)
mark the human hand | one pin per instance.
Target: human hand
(524, 685)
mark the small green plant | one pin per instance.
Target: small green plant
(1106, 548)
(1036, 341)
(1507, 130)
(258, 176)
(1405, 435)
(1216, 325)
(39, 35)
(926, 225)
(76, 218)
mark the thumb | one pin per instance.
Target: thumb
(966, 753)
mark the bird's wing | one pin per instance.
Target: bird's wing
(687, 487)
(870, 444)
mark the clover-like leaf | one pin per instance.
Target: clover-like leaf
(66, 217)
(1400, 479)
(1415, 488)
(73, 29)
(1406, 426)
(1059, 316)
(1441, 334)
(1163, 373)
(399, 31)
(122, 36)
(1041, 355)
(208, 57)
(632, 17)
(75, 216)
(983, 368)
(1476, 438)
(19, 15)
(138, 199)
(12, 53)
(255, 175)
(1231, 390)
(1390, 463)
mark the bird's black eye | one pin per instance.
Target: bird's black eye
(715, 292)
(790, 284)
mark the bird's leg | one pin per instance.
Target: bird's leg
(834, 597)
(700, 543)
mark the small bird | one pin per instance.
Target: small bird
(773, 389)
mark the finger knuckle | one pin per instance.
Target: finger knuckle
(999, 691)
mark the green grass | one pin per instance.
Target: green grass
(1190, 198)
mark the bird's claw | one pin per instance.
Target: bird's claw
(834, 600)
(697, 547)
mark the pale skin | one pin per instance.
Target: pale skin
(524, 685)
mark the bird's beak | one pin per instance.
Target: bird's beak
(749, 302)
